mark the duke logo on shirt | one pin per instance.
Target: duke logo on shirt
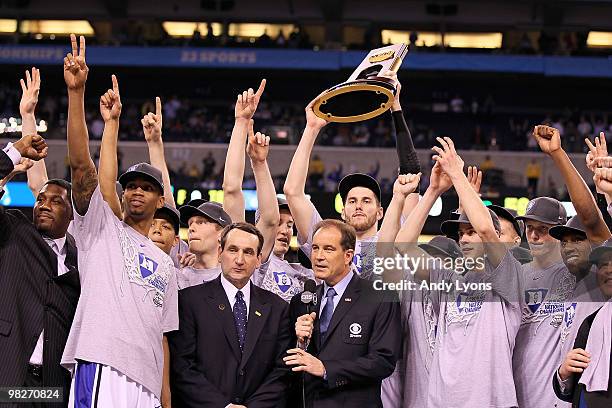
(569, 314)
(357, 263)
(534, 298)
(468, 303)
(147, 265)
(282, 280)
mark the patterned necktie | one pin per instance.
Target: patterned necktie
(327, 313)
(240, 318)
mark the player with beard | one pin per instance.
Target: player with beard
(473, 325)
(360, 193)
(549, 282)
(122, 272)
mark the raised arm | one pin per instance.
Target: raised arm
(403, 188)
(269, 215)
(152, 125)
(477, 213)
(82, 168)
(549, 141)
(233, 174)
(110, 109)
(37, 174)
(295, 184)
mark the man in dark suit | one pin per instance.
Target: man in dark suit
(232, 335)
(356, 336)
(39, 280)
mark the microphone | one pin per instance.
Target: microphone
(310, 301)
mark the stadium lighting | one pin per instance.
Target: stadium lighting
(257, 30)
(455, 40)
(599, 39)
(65, 27)
(8, 25)
(186, 28)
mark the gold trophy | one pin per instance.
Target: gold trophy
(366, 94)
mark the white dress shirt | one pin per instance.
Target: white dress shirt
(59, 247)
(231, 290)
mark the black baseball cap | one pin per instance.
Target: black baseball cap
(358, 180)
(450, 228)
(521, 254)
(599, 252)
(444, 246)
(172, 215)
(209, 209)
(546, 210)
(508, 215)
(144, 170)
(574, 225)
(282, 205)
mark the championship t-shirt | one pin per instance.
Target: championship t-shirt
(128, 298)
(281, 277)
(190, 276)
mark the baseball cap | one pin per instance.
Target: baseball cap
(196, 202)
(598, 253)
(358, 180)
(144, 170)
(521, 254)
(574, 225)
(440, 245)
(209, 209)
(509, 215)
(282, 205)
(173, 216)
(546, 210)
(450, 228)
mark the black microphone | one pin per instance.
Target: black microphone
(308, 299)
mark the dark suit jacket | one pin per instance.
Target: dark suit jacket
(362, 346)
(6, 165)
(33, 298)
(592, 399)
(208, 368)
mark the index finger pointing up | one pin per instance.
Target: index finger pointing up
(115, 85)
(158, 107)
(82, 51)
(73, 43)
(261, 88)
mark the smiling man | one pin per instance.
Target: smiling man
(232, 335)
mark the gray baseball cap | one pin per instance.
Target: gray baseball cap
(450, 228)
(173, 216)
(209, 209)
(144, 170)
(444, 246)
(574, 225)
(546, 210)
(509, 215)
(282, 205)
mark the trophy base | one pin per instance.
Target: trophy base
(356, 101)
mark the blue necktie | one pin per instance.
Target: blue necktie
(240, 318)
(582, 402)
(327, 313)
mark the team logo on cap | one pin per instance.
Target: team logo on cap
(534, 298)
(282, 280)
(132, 168)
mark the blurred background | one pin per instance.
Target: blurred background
(481, 72)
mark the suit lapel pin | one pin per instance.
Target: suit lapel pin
(347, 299)
(258, 313)
(221, 306)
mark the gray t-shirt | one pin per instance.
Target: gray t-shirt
(180, 248)
(281, 277)
(407, 386)
(365, 249)
(472, 359)
(189, 276)
(128, 298)
(536, 356)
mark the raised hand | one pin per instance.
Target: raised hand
(29, 92)
(548, 138)
(439, 180)
(406, 184)
(110, 102)
(597, 151)
(24, 165)
(247, 102)
(603, 180)
(474, 176)
(258, 145)
(450, 162)
(398, 86)
(32, 147)
(75, 68)
(313, 120)
(152, 123)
